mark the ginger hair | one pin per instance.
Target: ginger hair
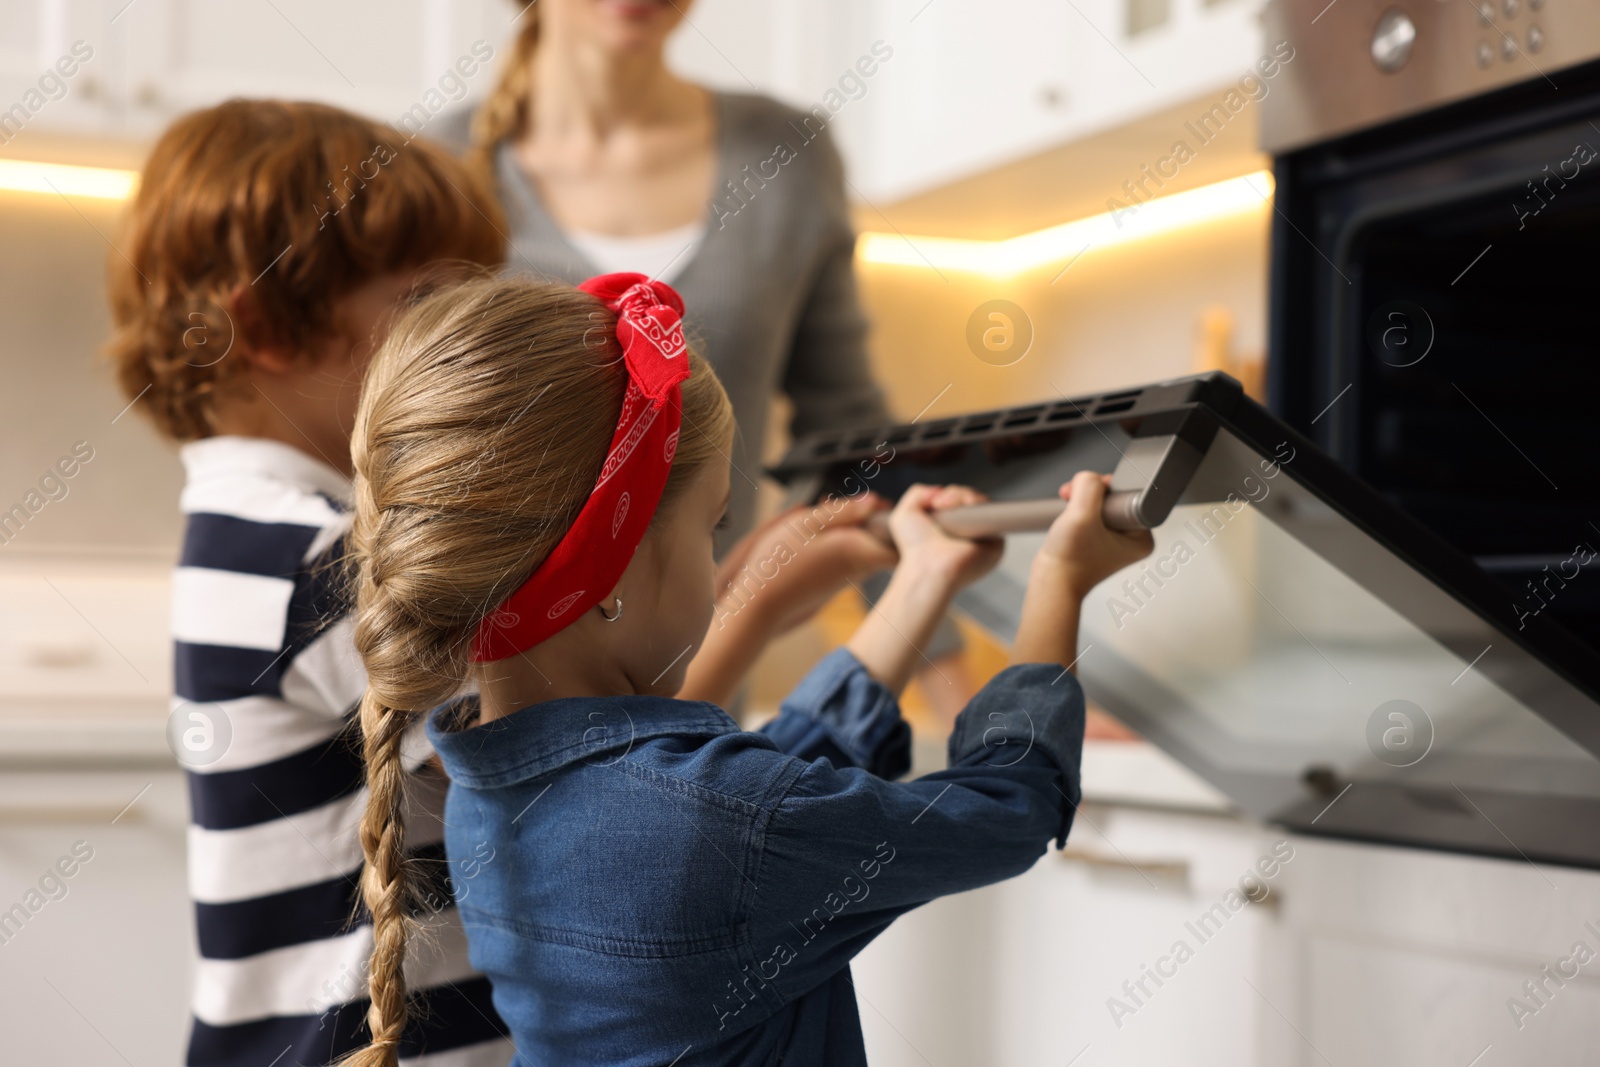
(483, 423)
(297, 204)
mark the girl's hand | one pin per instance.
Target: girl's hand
(795, 562)
(933, 565)
(1079, 552)
(927, 550)
(775, 578)
(1079, 543)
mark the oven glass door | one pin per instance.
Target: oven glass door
(1290, 641)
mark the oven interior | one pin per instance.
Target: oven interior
(1434, 328)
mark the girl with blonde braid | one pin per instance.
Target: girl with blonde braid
(605, 159)
(540, 471)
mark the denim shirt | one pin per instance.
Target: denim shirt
(646, 884)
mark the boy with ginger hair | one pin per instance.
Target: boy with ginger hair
(265, 250)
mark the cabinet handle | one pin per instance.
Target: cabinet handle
(148, 95)
(1052, 97)
(1175, 869)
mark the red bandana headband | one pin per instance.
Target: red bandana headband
(589, 560)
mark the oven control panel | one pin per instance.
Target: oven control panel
(1509, 31)
(1359, 63)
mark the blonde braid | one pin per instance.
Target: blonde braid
(412, 664)
(385, 882)
(504, 112)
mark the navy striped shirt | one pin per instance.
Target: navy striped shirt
(267, 685)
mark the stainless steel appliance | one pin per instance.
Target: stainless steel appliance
(1373, 610)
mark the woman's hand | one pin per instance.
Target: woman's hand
(927, 550)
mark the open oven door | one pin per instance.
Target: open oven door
(1321, 658)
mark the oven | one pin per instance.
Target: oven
(1373, 610)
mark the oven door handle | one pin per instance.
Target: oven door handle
(986, 520)
(1152, 474)
(1155, 470)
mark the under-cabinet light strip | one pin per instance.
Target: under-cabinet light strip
(1061, 244)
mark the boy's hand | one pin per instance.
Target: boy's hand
(795, 562)
(1079, 542)
(927, 550)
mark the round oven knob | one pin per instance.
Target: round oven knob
(1392, 40)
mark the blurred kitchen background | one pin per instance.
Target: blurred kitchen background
(983, 157)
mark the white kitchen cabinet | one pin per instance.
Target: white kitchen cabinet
(1086, 937)
(1407, 957)
(969, 86)
(966, 87)
(1021, 973)
(56, 72)
(84, 648)
(155, 59)
(97, 968)
(973, 86)
(1358, 954)
(20, 46)
(378, 57)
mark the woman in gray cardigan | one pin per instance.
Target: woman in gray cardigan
(605, 161)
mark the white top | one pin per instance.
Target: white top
(660, 255)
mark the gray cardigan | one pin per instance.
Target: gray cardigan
(770, 292)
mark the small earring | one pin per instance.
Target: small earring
(610, 618)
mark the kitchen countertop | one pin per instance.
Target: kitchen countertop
(85, 660)
(1140, 774)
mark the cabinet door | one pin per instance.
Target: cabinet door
(22, 46)
(1135, 940)
(85, 651)
(377, 57)
(972, 87)
(968, 86)
(55, 69)
(1433, 960)
(96, 962)
(1026, 972)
